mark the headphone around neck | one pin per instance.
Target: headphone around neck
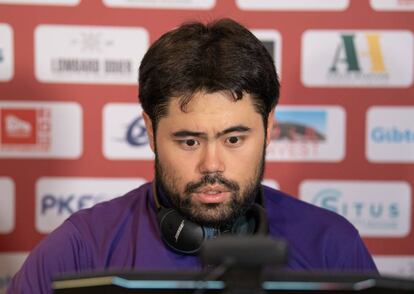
(186, 237)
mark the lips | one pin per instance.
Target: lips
(212, 194)
(211, 189)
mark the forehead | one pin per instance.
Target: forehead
(211, 109)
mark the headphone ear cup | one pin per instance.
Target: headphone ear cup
(179, 233)
(253, 222)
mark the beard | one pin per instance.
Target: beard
(217, 215)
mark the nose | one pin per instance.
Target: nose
(210, 161)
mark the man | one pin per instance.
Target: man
(208, 93)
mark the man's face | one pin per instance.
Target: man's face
(210, 158)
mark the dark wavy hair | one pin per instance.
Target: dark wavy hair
(219, 56)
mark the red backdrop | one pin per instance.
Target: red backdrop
(28, 170)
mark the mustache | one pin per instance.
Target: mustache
(211, 179)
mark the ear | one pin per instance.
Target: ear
(270, 123)
(150, 130)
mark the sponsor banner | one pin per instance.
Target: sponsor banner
(59, 197)
(375, 208)
(392, 5)
(6, 52)
(293, 4)
(272, 40)
(390, 134)
(357, 58)
(308, 133)
(10, 263)
(42, 2)
(7, 205)
(40, 129)
(168, 4)
(89, 54)
(124, 133)
(395, 265)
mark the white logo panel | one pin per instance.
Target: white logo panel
(293, 4)
(6, 52)
(357, 58)
(124, 133)
(7, 205)
(395, 265)
(375, 208)
(168, 4)
(10, 263)
(307, 133)
(272, 40)
(392, 5)
(390, 134)
(40, 129)
(271, 183)
(42, 2)
(57, 198)
(89, 54)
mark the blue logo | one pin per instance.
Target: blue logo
(328, 199)
(68, 204)
(392, 135)
(333, 200)
(136, 134)
(300, 126)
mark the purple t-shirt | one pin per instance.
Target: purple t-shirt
(123, 234)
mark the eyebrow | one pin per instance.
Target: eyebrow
(238, 128)
(188, 133)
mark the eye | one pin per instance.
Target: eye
(234, 141)
(189, 144)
